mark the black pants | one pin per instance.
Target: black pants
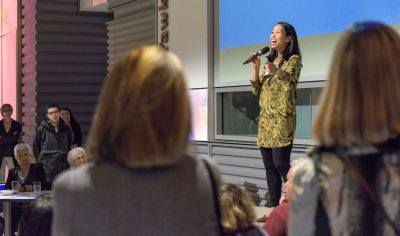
(277, 164)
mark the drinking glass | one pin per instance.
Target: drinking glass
(37, 186)
(14, 185)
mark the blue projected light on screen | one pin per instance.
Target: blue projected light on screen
(247, 22)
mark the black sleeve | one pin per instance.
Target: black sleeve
(19, 132)
(37, 143)
(11, 177)
(77, 135)
(41, 176)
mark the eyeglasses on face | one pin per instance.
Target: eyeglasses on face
(53, 113)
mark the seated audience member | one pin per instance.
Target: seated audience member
(26, 173)
(140, 163)
(237, 212)
(70, 121)
(36, 219)
(77, 157)
(354, 185)
(278, 220)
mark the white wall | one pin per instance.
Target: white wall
(190, 37)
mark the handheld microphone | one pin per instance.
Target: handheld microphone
(258, 53)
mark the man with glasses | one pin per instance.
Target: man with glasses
(52, 142)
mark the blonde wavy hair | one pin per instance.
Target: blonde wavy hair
(237, 208)
(361, 101)
(143, 115)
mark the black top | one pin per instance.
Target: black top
(9, 139)
(36, 173)
(76, 130)
(253, 230)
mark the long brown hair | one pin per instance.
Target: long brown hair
(143, 115)
(361, 102)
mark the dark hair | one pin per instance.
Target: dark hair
(72, 118)
(36, 219)
(51, 105)
(292, 48)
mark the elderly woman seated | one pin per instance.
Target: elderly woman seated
(77, 157)
(25, 173)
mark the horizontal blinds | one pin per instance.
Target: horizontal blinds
(134, 25)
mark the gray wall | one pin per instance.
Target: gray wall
(241, 163)
(64, 60)
(133, 25)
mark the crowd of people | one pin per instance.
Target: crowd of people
(55, 149)
(142, 181)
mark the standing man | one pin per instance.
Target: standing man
(52, 142)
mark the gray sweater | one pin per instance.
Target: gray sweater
(109, 199)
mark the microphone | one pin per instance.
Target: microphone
(258, 53)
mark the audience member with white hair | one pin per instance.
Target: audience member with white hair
(25, 173)
(277, 222)
(77, 157)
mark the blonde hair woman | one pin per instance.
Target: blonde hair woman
(354, 185)
(141, 182)
(238, 214)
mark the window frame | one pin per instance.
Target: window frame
(218, 92)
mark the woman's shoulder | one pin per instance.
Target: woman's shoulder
(75, 126)
(16, 124)
(205, 164)
(70, 179)
(294, 59)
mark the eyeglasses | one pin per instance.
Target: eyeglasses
(7, 110)
(53, 113)
(79, 158)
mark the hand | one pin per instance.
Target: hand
(256, 68)
(270, 68)
(284, 198)
(21, 188)
(256, 63)
(28, 188)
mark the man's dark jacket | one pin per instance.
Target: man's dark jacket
(51, 147)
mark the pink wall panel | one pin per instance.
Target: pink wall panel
(9, 73)
(8, 69)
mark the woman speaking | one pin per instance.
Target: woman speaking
(276, 87)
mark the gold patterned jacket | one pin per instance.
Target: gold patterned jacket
(277, 120)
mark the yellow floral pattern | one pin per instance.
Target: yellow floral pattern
(277, 120)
